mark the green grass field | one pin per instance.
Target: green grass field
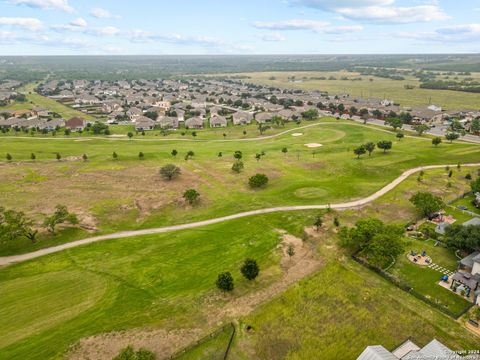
(129, 193)
(339, 311)
(166, 280)
(378, 88)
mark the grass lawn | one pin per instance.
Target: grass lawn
(339, 311)
(128, 193)
(425, 280)
(379, 88)
(213, 348)
(468, 202)
(53, 301)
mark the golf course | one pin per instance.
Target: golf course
(164, 283)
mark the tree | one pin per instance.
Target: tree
(258, 181)
(237, 155)
(225, 281)
(170, 171)
(130, 134)
(114, 155)
(475, 185)
(420, 129)
(237, 166)
(373, 240)
(310, 114)
(475, 126)
(360, 151)
(191, 196)
(258, 156)
(9, 157)
(84, 157)
(427, 203)
(385, 145)
(60, 216)
(174, 153)
(463, 237)
(399, 135)
(370, 146)
(452, 136)
(318, 222)
(14, 224)
(67, 132)
(58, 156)
(436, 141)
(250, 269)
(141, 155)
(395, 123)
(32, 156)
(189, 154)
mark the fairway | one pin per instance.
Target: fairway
(111, 195)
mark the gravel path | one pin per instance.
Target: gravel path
(340, 206)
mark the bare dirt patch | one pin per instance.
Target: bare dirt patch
(107, 346)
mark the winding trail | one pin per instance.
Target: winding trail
(7, 260)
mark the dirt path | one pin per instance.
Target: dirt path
(7, 260)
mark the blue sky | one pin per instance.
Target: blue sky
(71, 27)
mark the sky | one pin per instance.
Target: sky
(148, 27)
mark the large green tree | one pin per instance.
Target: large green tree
(427, 203)
(60, 216)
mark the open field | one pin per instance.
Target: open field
(378, 88)
(159, 281)
(128, 193)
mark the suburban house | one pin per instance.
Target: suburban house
(143, 123)
(410, 351)
(263, 118)
(218, 121)
(194, 123)
(168, 122)
(76, 124)
(467, 277)
(242, 118)
(134, 113)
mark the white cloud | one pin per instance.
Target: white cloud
(449, 34)
(79, 22)
(100, 13)
(145, 36)
(274, 37)
(107, 31)
(397, 15)
(300, 24)
(338, 4)
(62, 5)
(25, 23)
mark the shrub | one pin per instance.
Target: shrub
(258, 181)
(225, 281)
(250, 269)
(170, 171)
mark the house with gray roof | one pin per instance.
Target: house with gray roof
(218, 121)
(410, 351)
(194, 123)
(242, 118)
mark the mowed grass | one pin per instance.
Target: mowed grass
(425, 280)
(378, 88)
(338, 312)
(213, 348)
(50, 303)
(129, 193)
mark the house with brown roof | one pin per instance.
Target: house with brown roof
(218, 121)
(76, 124)
(194, 123)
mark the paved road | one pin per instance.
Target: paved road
(340, 206)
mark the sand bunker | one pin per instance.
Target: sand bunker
(83, 140)
(297, 134)
(313, 145)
